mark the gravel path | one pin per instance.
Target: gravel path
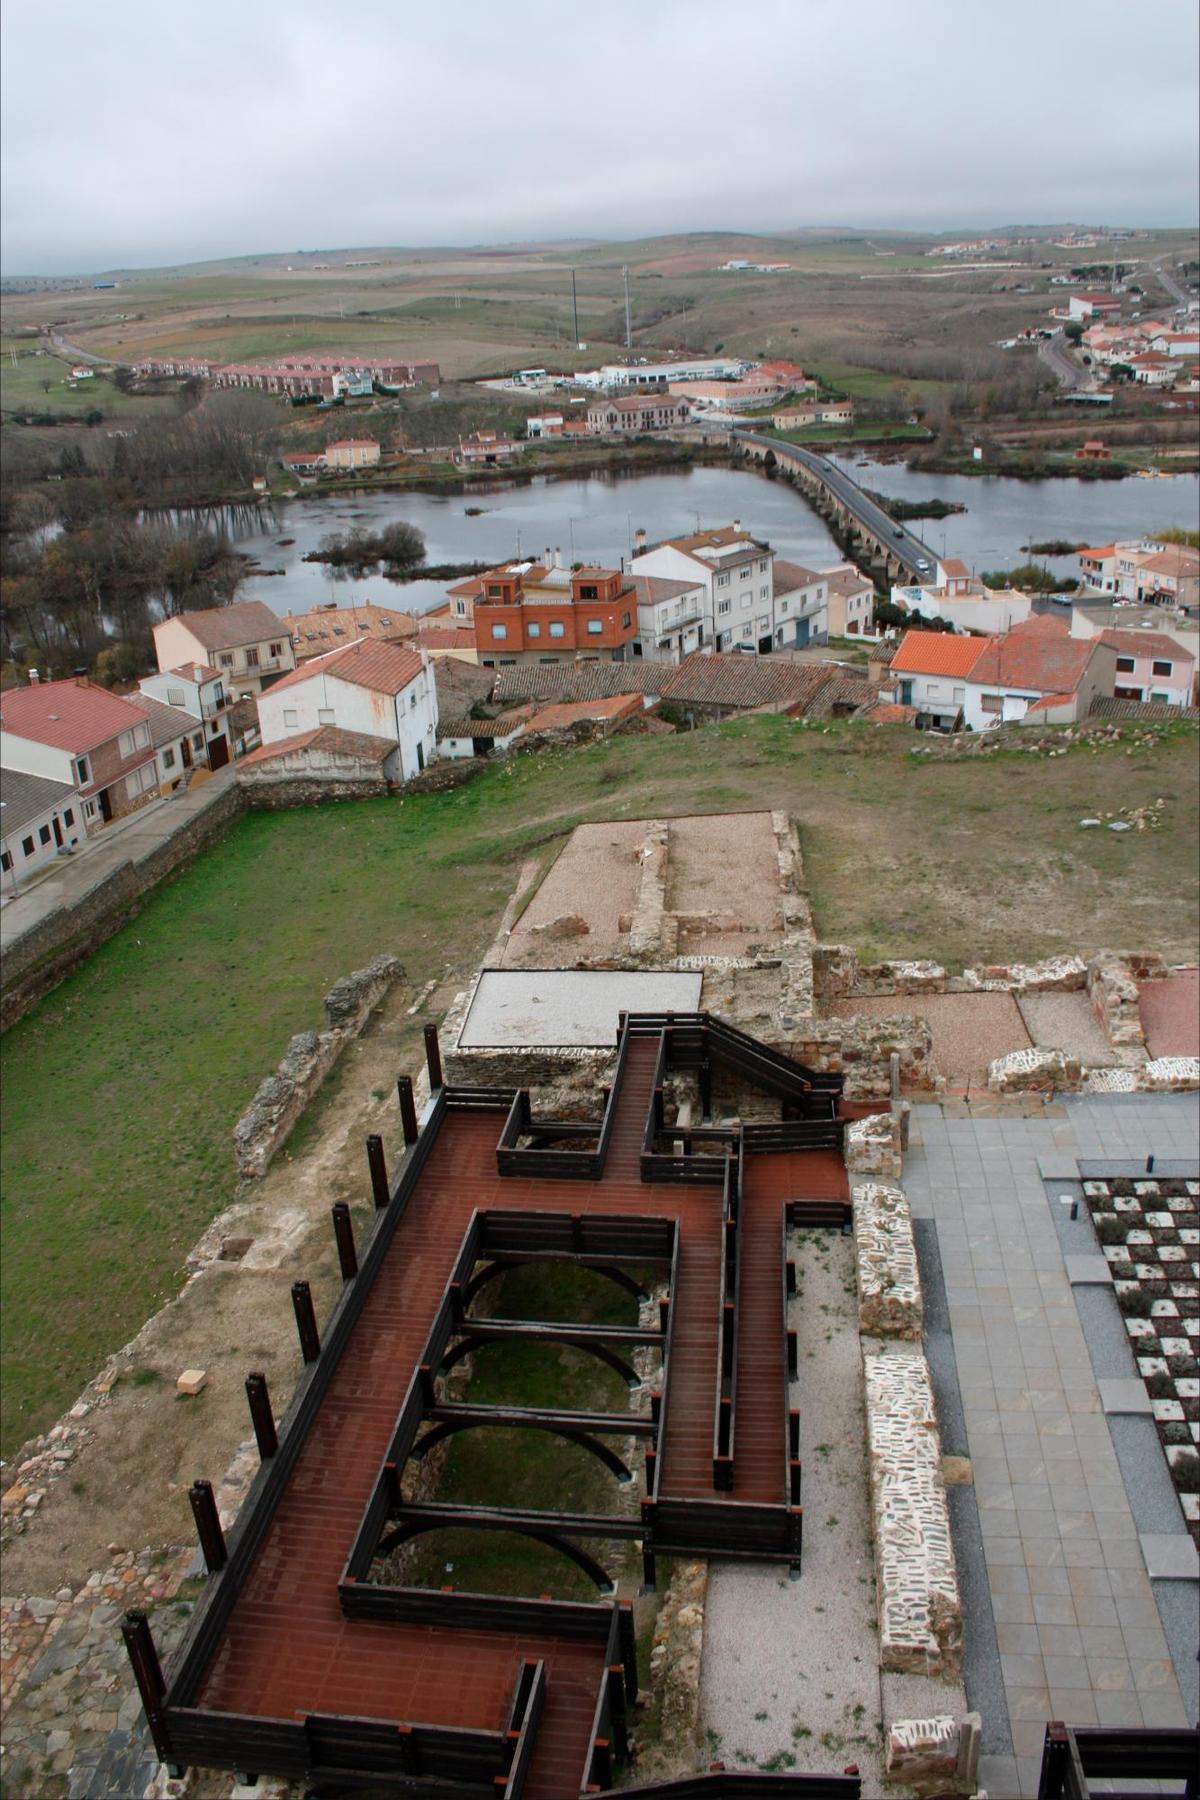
(596, 877)
(727, 863)
(1067, 1022)
(1170, 1012)
(969, 1030)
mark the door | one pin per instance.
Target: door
(186, 747)
(58, 836)
(420, 758)
(106, 811)
(218, 751)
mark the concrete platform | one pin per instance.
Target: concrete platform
(549, 1008)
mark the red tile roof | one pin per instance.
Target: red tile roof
(610, 711)
(936, 653)
(885, 712)
(384, 668)
(446, 637)
(228, 627)
(1147, 643)
(325, 737)
(73, 715)
(790, 575)
(1046, 702)
(1049, 664)
(954, 566)
(198, 672)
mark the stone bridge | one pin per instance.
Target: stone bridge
(875, 541)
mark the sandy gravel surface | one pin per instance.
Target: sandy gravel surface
(596, 876)
(1170, 1012)
(969, 1030)
(790, 1668)
(1066, 1022)
(725, 863)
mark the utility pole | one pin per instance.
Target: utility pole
(575, 308)
(628, 313)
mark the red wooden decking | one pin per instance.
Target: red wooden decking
(287, 1649)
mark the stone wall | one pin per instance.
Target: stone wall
(1113, 992)
(283, 1096)
(41, 957)
(920, 1613)
(875, 1145)
(273, 792)
(889, 1281)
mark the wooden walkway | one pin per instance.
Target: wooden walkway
(287, 1650)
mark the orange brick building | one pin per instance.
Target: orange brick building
(534, 613)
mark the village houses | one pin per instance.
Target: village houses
(1144, 569)
(528, 612)
(40, 819)
(636, 413)
(1037, 669)
(246, 643)
(79, 735)
(736, 573)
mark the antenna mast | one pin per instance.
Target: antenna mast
(575, 307)
(628, 312)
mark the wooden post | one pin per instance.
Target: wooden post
(628, 1643)
(261, 1415)
(616, 1707)
(208, 1526)
(793, 1357)
(651, 1467)
(433, 1057)
(306, 1321)
(705, 1074)
(793, 1431)
(794, 1481)
(1056, 1757)
(664, 1314)
(147, 1672)
(377, 1163)
(408, 1109)
(343, 1231)
(648, 1564)
(791, 1275)
(656, 1405)
(602, 1763)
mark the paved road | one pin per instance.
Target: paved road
(903, 543)
(128, 840)
(1170, 282)
(66, 349)
(1062, 365)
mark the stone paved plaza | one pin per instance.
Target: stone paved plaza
(1081, 1631)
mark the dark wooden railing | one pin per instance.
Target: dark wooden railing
(573, 1150)
(1073, 1757)
(750, 1784)
(791, 1466)
(725, 1419)
(608, 1741)
(521, 1732)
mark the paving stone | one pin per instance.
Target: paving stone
(1170, 1556)
(1125, 1395)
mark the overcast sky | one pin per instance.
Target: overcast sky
(142, 132)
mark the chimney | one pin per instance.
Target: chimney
(737, 524)
(639, 539)
(81, 677)
(556, 559)
(34, 677)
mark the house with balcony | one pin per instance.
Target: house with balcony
(737, 572)
(1151, 666)
(197, 693)
(83, 737)
(245, 643)
(674, 618)
(850, 607)
(528, 613)
(801, 606)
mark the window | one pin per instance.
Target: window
(141, 737)
(175, 696)
(43, 834)
(764, 593)
(125, 744)
(27, 846)
(594, 627)
(277, 649)
(499, 631)
(722, 581)
(1125, 665)
(168, 758)
(82, 772)
(783, 606)
(68, 818)
(460, 607)
(1161, 668)
(198, 740)
(412, 701)
(626, 620)
(589, 591)
(557, 629)
(5, 861)
(724, 605)
(252, 657)
(991, 703)
(495, 592)
(747, 600)
(960, 694)
(1158, 695)
(290, 716)
(534, 629)
(224, 662)
(762, 567)
(326, 716)
(747, 631)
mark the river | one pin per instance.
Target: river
(589, 521)
(1004, 514)
(594, 520)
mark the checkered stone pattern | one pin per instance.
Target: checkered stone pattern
(1150, 1234)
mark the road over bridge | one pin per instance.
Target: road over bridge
(897, 551)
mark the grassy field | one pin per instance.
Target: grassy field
(41, 384)
(122, 1088)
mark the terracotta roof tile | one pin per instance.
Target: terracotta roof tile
(227, 627)
(325, 737)
(609, 711)
(73, 715)
(384, 668)
(1148, 643)
(936, 653)
(1033, 659)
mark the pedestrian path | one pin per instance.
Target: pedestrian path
(1078, 1624)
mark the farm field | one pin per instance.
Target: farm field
(122, 1088)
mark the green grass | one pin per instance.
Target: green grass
(41, 384)
(121, 1089)
(840, 434)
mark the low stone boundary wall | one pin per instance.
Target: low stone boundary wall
(838, 974)
(283, 1096)
(41, 957)
(889, 1281)
(920, 1613)
(875, 1145)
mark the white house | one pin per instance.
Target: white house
(801, 606)
(375, 690)
(39, 820)
(199, 692)
(967, 604)
(674, 618)
(737, 573)
(982, 682)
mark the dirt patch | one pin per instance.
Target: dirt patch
(595, 882)
(1170, 1013)
(969, 1031)
(727, 866)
